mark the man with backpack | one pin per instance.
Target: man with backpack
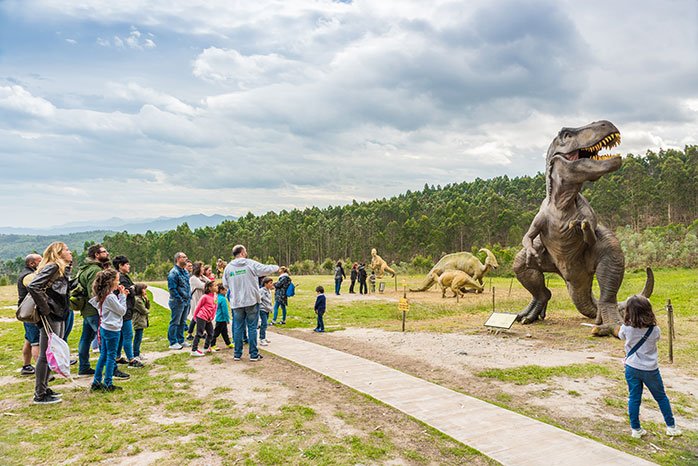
(97, 260)
(31, 331)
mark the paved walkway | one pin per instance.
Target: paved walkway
(508, 437)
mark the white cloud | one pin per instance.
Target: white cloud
(71, 41)
(18, 99)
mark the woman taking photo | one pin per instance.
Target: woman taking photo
(50, 290)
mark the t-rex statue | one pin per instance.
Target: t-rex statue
(565, 236)
(458, 282)
(463, 261)
(379, 266)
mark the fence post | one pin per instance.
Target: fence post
(672, 335)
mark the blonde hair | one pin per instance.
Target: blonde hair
(52, 255)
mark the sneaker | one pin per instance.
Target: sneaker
(135, 363)
(267, 340)
(283, 322)
(46, 400)
(122, 360)
(97, 387)
(673, 431)
(316, 330)
(638, 433)
(28, 370)
(256, 358)
(73, 362)
(52, 393)
(86, 372)
(197, 353)
(231, 346)
(263, 343)
(176, 346)
(190, 337)
(212, 349)
(121, 375)
(273, 322)
(111, 388)
(95, 350)
(51, 378)
(186, 345)
(236, 358)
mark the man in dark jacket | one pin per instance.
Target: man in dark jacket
(97, 260)
(122, 264)
(31, 331)
(180, 297)
(363, 288)
(353, 275)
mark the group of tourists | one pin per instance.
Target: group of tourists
(114, 313)
(357, 273)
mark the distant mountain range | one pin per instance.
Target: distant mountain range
(135, 225)
(18, 242)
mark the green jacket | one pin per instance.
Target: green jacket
(87, 273)
(141, 311)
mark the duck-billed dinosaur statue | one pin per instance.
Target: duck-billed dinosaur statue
(565, 237)
(463, 261)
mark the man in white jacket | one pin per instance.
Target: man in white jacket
(241, 277)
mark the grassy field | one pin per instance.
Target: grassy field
(167, 414)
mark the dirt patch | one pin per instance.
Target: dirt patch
(8, 379)
(143, 458)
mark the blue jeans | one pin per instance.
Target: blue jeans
(320, 322)
(653, 381)
(245, 317)
(69, 324)
(264, 317)
(276, 311)
(108, 341)
(89, 330)
(178, 321)
(137, 339)
(337, 285)
(126, 340)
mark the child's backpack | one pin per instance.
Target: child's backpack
(57, 353)
(291, 290)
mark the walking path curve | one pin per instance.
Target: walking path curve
(508, 437)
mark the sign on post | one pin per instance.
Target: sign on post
(403, 305)
(500, 321)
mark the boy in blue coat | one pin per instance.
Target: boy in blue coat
(320, 306)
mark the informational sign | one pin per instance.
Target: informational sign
(501, 320)
(403, 305)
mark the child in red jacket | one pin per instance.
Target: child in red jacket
(204, 314)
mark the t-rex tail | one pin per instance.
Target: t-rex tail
(428, 282)
(646, 291)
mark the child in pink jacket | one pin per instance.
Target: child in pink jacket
(204, 314)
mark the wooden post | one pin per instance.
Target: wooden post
(491, 284)
(404, 295)
(511, 283)
(395, 277)
(492, 299)
(670, 318)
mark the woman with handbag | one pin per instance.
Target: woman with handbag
(50, 291)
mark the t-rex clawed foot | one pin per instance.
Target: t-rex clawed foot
(606, 330)
(534, 311)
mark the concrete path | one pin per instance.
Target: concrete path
(508, 437)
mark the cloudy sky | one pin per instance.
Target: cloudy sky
(152, 107)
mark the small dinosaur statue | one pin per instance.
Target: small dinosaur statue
(565, 236)
(458, 282)
(379, 266)
(463, 261)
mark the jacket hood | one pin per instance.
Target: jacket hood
(239, 262)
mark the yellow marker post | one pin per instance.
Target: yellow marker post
(404, 304)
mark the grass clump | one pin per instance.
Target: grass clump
(525, 375)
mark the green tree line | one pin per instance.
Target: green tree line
(414, 228)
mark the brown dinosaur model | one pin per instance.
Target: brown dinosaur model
(463, 261)
(458, 282)
(565, 236)
(379, 266)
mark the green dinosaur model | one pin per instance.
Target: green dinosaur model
(463, 261)
(565, 236)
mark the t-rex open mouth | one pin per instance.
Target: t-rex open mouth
(592, 152)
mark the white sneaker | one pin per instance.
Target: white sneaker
(176, 346)
(673, 431)
(638, 433)
(267, 340)
(185, 345)
(197, 353)
(263, 343)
